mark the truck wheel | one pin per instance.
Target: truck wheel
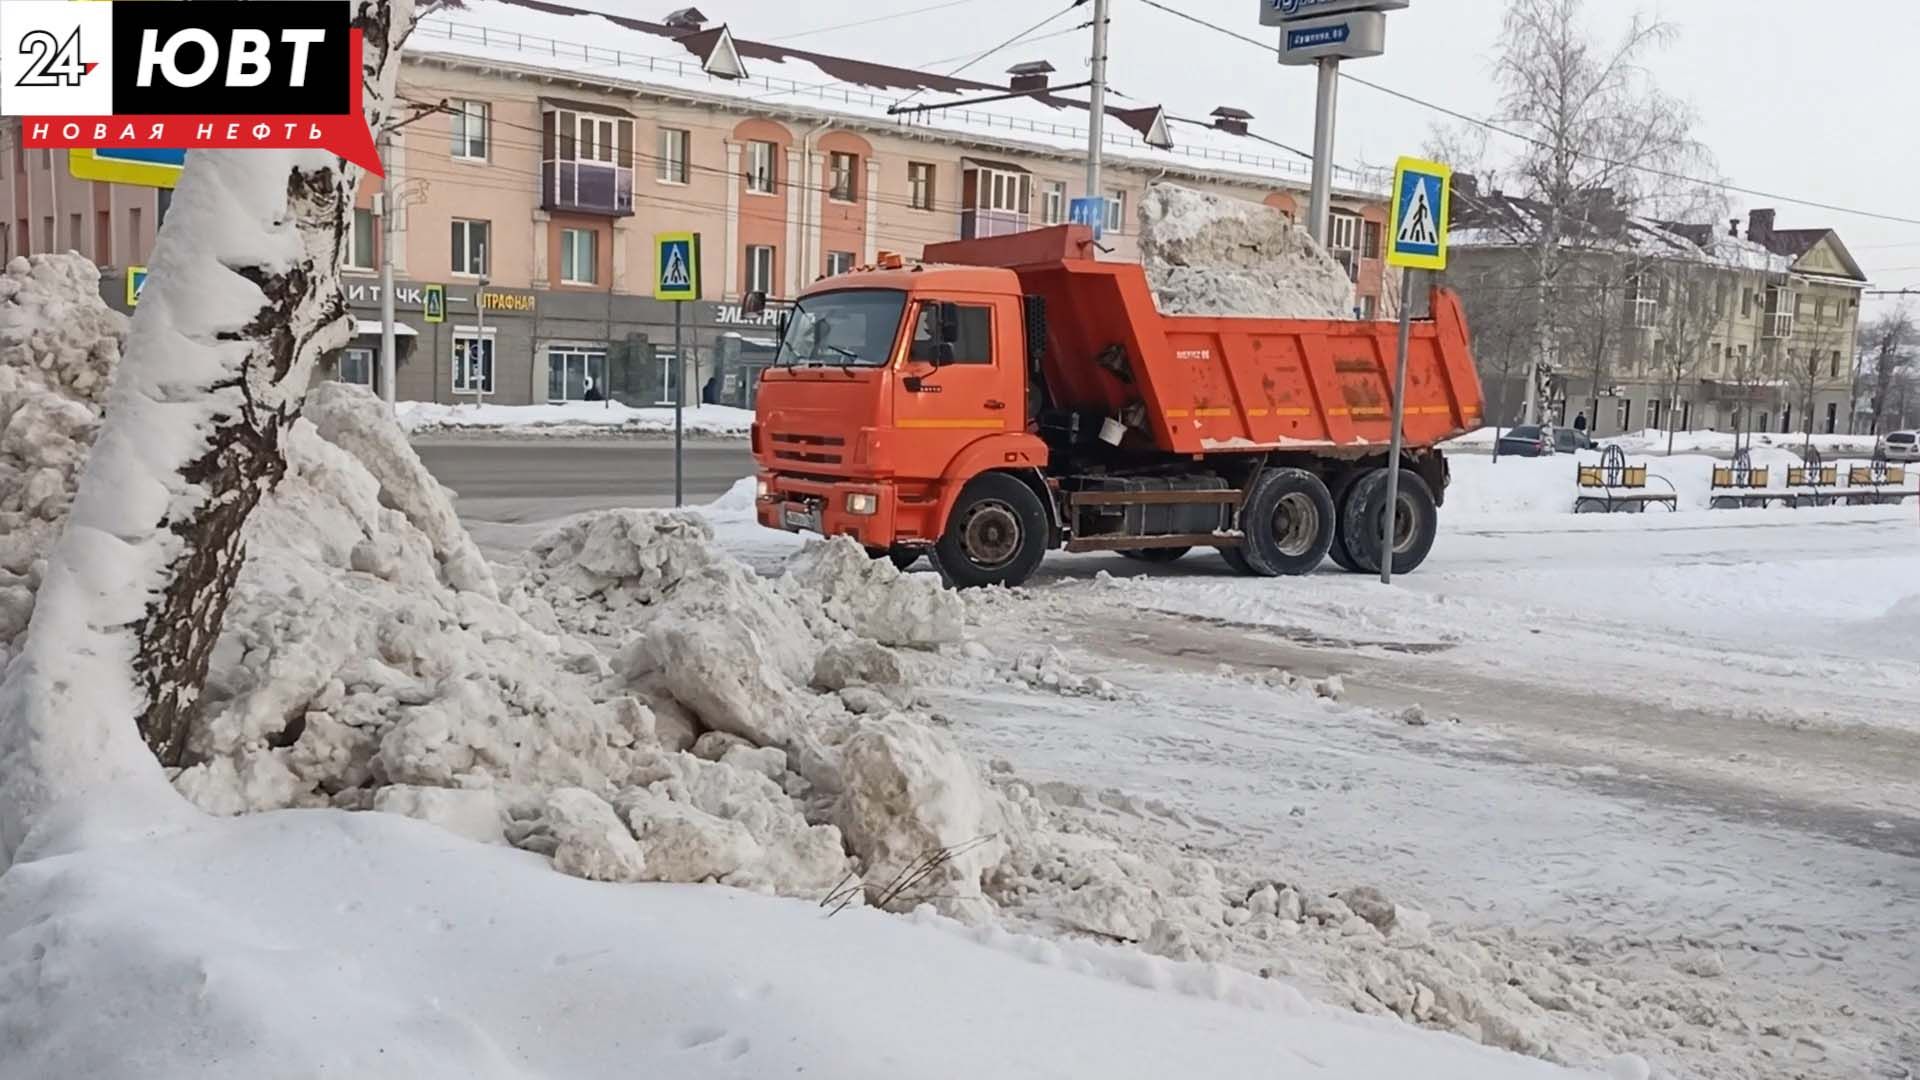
(996, 535)
(1236, 560)
(1416, 522)
(1288, 522)
(1342, 487)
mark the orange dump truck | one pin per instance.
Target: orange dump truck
(1014, 395)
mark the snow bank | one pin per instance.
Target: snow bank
(1549, 485)
(1208, 254)
(573, 419)
(59, 343)
(364, 945)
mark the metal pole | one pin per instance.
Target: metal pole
(389, 347)
(679, 416)
(1097, 99)
(475, 369)
(1320, 199)
(1399, 419)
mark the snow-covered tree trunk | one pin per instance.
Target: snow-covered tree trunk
(244, 297)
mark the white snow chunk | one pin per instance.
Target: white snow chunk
(871, 598)
(588, 838)
(1208, 254)
(472, 813)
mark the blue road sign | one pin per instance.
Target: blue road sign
(1422, 202)
(1318, 36)
(1090, 212)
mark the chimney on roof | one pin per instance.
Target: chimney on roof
(1029, 77)
(1733, 228)
(1466, 184)
(1760, 226)
(1229, 119)
(687, 18)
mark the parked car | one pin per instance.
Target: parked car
(1572, 441)
(1903, 446)
(1527, 440)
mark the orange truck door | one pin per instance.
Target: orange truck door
(941, 408)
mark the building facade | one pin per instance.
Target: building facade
(1656, 325)
(541, 150)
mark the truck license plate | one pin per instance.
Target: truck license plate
(803, 517)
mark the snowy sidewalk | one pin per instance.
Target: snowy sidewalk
(573, 419)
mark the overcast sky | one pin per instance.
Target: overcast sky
(1817, 100)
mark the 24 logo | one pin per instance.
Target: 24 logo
(55, 63)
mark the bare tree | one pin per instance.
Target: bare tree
(1691, 306)
(1598, 131)
(1888, 345)
(245, 298)
(1813, 363)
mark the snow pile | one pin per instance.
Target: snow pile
(574, 418)
(1208, 254)
(58, 344)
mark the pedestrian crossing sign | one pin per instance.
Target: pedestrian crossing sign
(1417, 225)
(677, 266)
(433, 303)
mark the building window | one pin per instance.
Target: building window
(356, 367)
(1746, 303)
(1833, 416)
(1370, 240)
(1643, 303)
(763, 172)
(920, 185)
(579, 257)
(1820, 307)
(843, 186)
(103, 237)
(587, 162)
(470, 248)
(470, 130)
(1053, 203)
(472, 362)
(1653, 412)
(1715, 359)
(576, 373)
(358, 249)
(673, 154)
(1625, 415)
(760, 268)
(73, 232)
(1369, 307)
(1343, 232)
(1833, 365)
(1116, 211)
(1781, 305)
(839, 262)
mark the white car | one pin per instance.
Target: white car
(1903, 446)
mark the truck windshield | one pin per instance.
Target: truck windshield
(853, 328)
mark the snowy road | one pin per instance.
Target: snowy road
(1686, 756)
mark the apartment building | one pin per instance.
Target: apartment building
(545, 148)
(1657, 324)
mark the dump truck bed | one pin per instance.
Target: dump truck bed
(1211, 384)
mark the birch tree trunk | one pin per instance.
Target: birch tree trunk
(244, 298)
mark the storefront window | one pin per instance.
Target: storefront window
(576, 373)
(472, 363)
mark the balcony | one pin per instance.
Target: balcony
(980, 224)
(586, 187)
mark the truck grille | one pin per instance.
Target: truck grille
(808, 449)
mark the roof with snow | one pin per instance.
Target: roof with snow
(686, 61)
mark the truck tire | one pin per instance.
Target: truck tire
(1289, 523)
(1342, 487)
(996, 535)
(1417, 522)
(1236, 560)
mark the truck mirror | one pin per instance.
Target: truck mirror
(753, 303)
(949, 313)
(943, 354)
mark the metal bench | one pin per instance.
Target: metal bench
(1813, 484)
(1739, 485)
(1877, 484)
(1615, 487)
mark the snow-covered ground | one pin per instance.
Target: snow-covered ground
(573, 418)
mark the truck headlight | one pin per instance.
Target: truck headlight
(863, 504)
(761, 488)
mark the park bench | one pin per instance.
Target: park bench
(1812, 485)
(1615, 487)
(1876, 484)
(1739, 485)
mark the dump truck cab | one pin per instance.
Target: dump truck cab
(891, 387)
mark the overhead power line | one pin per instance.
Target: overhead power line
(1498, 129)
(1015, 39)
(870, 22)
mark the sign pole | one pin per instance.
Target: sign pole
(1097, 100)
(389, 347)
(1399, 419)
(679, 412)
(1320, 197)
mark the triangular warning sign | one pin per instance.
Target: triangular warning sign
(1417, 225)
(675, 274)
